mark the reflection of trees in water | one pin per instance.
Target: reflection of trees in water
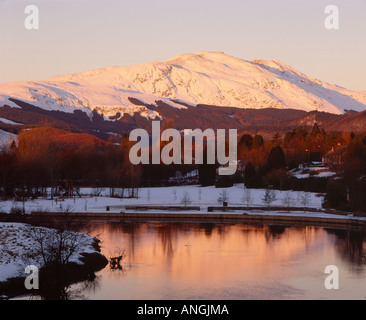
(210, 228)
(223, 229)
(207, 228)
(132, 229)
(275, 231)
(55, 289)
(165, 234)
(349, 244)
(116, 258)
(120, 272)
(128, 227)
(91, 285)
(253, 229)
(168, 233)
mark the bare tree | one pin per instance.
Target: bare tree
(269, 197)
(186, 199)
(96, 192)
(56, 245)
(305, 200)
(247, 197)
(287, 200)
(223, 196)
(116, 258)
(65, 209)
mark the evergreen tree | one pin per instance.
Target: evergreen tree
(206, 172)
(246, 141)
(257, 142)
(249, 175)
(276, 159)
(276, 140)
(315, 131)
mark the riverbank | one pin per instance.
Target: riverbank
(17, 250)
(248, 216)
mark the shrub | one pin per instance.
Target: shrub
(16, 211)
(224, 182)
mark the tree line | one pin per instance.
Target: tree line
(45, 158)
(267, 164)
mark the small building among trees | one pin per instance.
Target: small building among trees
(334, 157)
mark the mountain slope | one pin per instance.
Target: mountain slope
(208, 78)
(6, 139)
(357, 122)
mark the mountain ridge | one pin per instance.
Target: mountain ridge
(208, 78)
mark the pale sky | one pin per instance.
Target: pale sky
(81, 35)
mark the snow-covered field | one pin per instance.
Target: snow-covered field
(15, 246)
(197, 196)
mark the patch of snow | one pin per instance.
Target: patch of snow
(15, 243)
(7, 138)
(313, 172)
(318, 175)
(7, 121)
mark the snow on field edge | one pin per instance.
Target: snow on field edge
(15, 243)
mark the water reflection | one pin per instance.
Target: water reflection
(55, 289)
(226, 261)
(351, 246)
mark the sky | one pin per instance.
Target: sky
(81, 35)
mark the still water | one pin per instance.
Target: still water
(226, 261)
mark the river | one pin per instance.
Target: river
(226, 261)
(201, 261)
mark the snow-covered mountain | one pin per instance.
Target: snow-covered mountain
(6, 139)
(210, 78)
